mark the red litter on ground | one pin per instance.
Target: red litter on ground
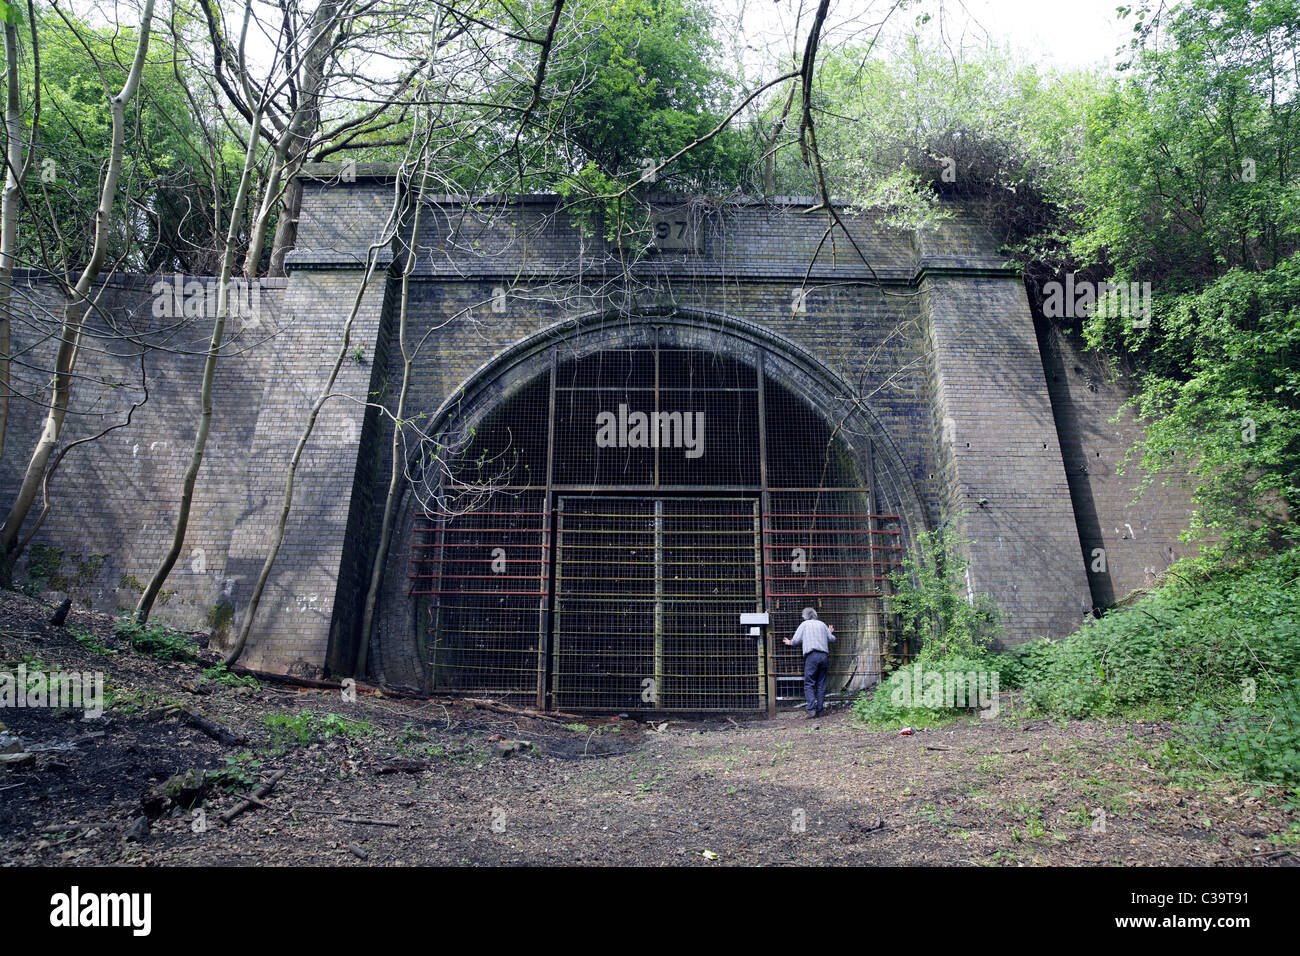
(906, 732)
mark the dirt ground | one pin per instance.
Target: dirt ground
(410, 781)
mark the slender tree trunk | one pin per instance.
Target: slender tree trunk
(291, 150)
(9, 207)
(286, 227)
(144, 606)
(277, 536)
(74, 311)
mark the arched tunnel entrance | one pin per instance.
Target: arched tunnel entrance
(589, 527)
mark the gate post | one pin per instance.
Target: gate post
(759, 624)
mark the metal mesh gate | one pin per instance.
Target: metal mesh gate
(826, 550)
(648, 593)
(482, 579)
(626, 509)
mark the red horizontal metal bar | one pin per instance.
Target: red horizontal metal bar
(817, 594)
(474, 544)
(800, 577)
(426, 514)
(840, 548)
(771, 530)
(484, 529)
(479, 577)
(467, 560)
(827, 514)
(458, 591)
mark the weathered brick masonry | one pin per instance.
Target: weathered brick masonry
(930, 351)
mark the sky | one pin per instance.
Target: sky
(1061, 33)
(1068, 33)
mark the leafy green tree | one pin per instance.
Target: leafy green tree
(1232, 414)
(166, 198)
(1189, 182)
(902, 126)
(642, 84)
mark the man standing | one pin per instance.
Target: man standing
(815, 638)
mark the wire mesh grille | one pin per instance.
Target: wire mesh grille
(827, 551)
(482, 577)
(648, 595)
(607, 567)
(665, 417)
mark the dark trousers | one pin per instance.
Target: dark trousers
(814, 680)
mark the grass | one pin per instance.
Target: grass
(305, 727)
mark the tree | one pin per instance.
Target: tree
(16, 163)
(73, 313)
(1190, 184)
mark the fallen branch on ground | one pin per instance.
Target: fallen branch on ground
(222, 735)
(256, 798)
(367, 822)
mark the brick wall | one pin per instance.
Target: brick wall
(929, 339)
(1126, 540)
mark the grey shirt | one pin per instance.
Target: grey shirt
(813, 635)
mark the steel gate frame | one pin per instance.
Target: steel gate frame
(882, 548)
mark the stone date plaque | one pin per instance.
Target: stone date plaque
(674, 231)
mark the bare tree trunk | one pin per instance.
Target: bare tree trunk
(74, 312)
(11, 205)
(277, 536)
(9, 216)
(286, 227)
(145, 605)
(291, 149)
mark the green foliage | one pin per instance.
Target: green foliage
(1187, 181)
(894, 702)
(220, 674)
(1188, 167)
(1231, 413)
(89, 641)
(304, 727)
(936, 614)
(156, 640)
(901, 125)
(166, 184)
(953, 632)
(1258, 741)
(645, 84)
(240, 773)
(43, 566)
(1221, 654)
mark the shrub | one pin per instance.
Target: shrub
(953, 634)
(155, 640)
(1221, 654)
(901, 698)
(305, 727)
(929, 597)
